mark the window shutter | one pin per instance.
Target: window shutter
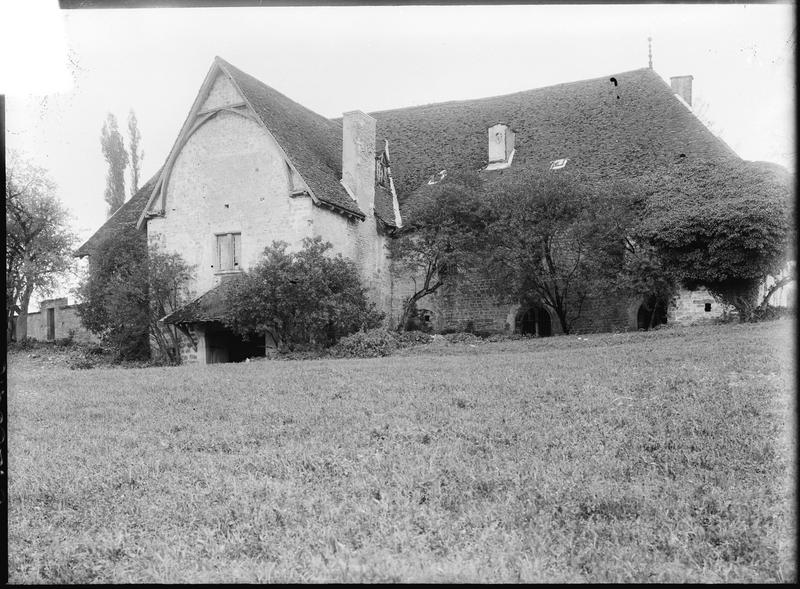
(237, 250)
(224, 252)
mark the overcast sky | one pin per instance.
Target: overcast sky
(62, 71)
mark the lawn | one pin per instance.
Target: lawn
(644, 457)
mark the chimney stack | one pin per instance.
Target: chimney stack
(682, 86)
(358, 158)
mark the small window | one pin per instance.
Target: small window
(229, 252)
(708, 307)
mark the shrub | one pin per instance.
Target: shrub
(366, 344)
(412, 338)
(128, 289)
(769, 313)
(27, 343)
(95, 350)
(462, 338)
(304, 299)
(81, 364)
(504, 337)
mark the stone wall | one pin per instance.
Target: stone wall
(192, 353)
(361, 242)
(66, 322)
(230, 177)
(692, 307)
(471, 306)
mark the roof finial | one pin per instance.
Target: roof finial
(650, 52)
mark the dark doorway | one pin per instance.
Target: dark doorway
(222, 345)
(651, 313)
(535, 321)
(51, 324)
(527, 323)
(543, 323)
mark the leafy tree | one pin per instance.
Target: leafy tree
(38, 242)
(642, 274)
(128, 289)
(300, 298)
(554, 240)
(137, 155)
(114, 153)
(722, 225)
(439, 238)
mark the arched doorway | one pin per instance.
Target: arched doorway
(545, 329)
(534, 321)
(652, 312)
(527, 322)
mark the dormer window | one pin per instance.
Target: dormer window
(501, 146)
(558, 164)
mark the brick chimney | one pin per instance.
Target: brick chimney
(682, 86)
(358, 158)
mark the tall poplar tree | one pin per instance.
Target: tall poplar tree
(117, 158)
(137, 155)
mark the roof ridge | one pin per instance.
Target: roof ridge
(227, 64)
(510, 94)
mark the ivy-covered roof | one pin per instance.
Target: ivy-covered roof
(628, 127)
(605, 129)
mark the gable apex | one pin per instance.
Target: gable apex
(222, 92)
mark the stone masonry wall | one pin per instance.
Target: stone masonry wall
(67, 322)
(471, 304)
(190, 354)
(229, 178)
(361, 242)
(454, 308)
(689, 308)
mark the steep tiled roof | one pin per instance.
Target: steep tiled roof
(126, 215)
(604, 129)
(607, 130)
(209, 306)
(312, 142)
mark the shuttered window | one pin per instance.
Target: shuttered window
(229, 251)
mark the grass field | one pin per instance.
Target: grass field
(655, 456)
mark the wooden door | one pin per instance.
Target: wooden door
(51, 324)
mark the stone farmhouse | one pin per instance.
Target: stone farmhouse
(251, 166)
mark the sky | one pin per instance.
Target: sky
(62, 71)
